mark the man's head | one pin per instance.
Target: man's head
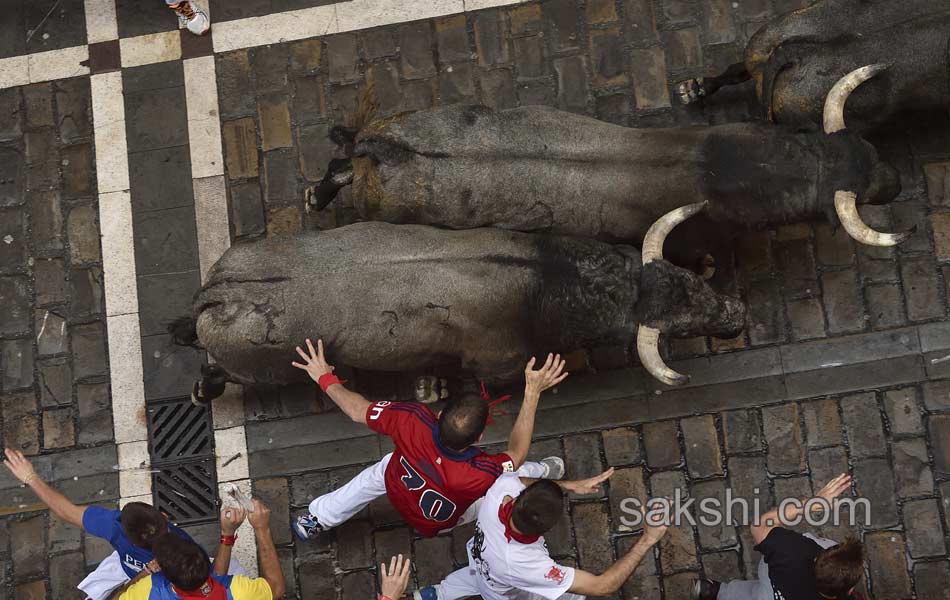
(462, 421)
(183, 562)
(142, 523)
(839, 568)
(538, 508)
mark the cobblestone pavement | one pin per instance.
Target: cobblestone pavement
(835, 372)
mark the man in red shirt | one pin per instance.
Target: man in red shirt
(435, 475)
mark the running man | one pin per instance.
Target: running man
(436, 473)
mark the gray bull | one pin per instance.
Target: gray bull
(795, 59)
(407, 297)
(539, 169)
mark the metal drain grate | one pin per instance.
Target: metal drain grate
(187, 492)
(181, 444)
(179, 430)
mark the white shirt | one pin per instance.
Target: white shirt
(510, 570)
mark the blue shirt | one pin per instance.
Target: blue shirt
(106, 524)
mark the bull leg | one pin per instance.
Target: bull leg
(211, 385)
(692, 90)
(339, 175)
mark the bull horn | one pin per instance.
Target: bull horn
(845, 201)
(846, 205)
(838, 96)
(648, 338)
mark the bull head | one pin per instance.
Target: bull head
(846, 200)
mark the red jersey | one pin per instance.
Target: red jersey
(430, 485)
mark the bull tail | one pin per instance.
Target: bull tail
(184, 331)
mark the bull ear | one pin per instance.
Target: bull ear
(846, 201)
(648, 338)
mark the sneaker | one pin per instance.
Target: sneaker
(427, 593)
(553, 467)
(192, 17)
(704, 589)
(306, 527)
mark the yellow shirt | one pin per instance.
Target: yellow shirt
(242, 588)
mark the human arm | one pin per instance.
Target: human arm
(266, 552)
(395, 580)
(315, 364)
(536, 381)
(21, 468)
(792, 511)
(231, 519)
(126, 591)
(581, 487)
(608, 582)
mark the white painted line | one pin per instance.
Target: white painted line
(204, 128)
(58, 64)
(135, 477)
(471, 5)
(275, 28)
(151, 48)
(145, 499)
(363, 14)
(101, 22)
(108, 115)
(245, 549)
(125, 370)
(230, 450)
(14, 71)
(118, 253)
(211, 220)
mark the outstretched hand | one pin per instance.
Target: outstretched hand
(590, 485)
(548, 376)
(19, 466)
(834, 488)
(314, 362)
(395, 580)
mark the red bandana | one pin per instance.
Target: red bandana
(504, 513)
(211, 590)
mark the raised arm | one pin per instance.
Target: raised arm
(22, 469)
(315, 364)
(609, 581)
(771, 520)
(536, 381)
(231, 519)
(266, 552)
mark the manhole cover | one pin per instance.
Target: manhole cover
(179, 430)
(187, 492)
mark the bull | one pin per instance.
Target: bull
(537, 169)
(795, 58)
(407, 297)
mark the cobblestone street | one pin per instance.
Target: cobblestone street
(124, 175)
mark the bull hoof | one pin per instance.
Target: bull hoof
(310, 198)
(690, 91)
(427, 389)
(707, 267)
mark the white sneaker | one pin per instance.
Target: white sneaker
(553, 467)
(192, 17)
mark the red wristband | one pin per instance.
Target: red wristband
(228, 540)
(328, 379)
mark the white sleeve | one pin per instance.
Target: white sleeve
(507, 484)
(543, 577)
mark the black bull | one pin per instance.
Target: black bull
(542, 170)
(797, 57)
(407, 297)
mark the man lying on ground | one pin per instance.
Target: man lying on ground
(435, 474)
(182, 570)
(508, 558)
(130, 531)
(795, 566)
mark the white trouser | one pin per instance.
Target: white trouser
(342, 503)
(464, 583)
(109, 575)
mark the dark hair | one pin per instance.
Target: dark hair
(142, 523)
(183, 562)
(538, 508)
(839, 568)
(463, 421)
